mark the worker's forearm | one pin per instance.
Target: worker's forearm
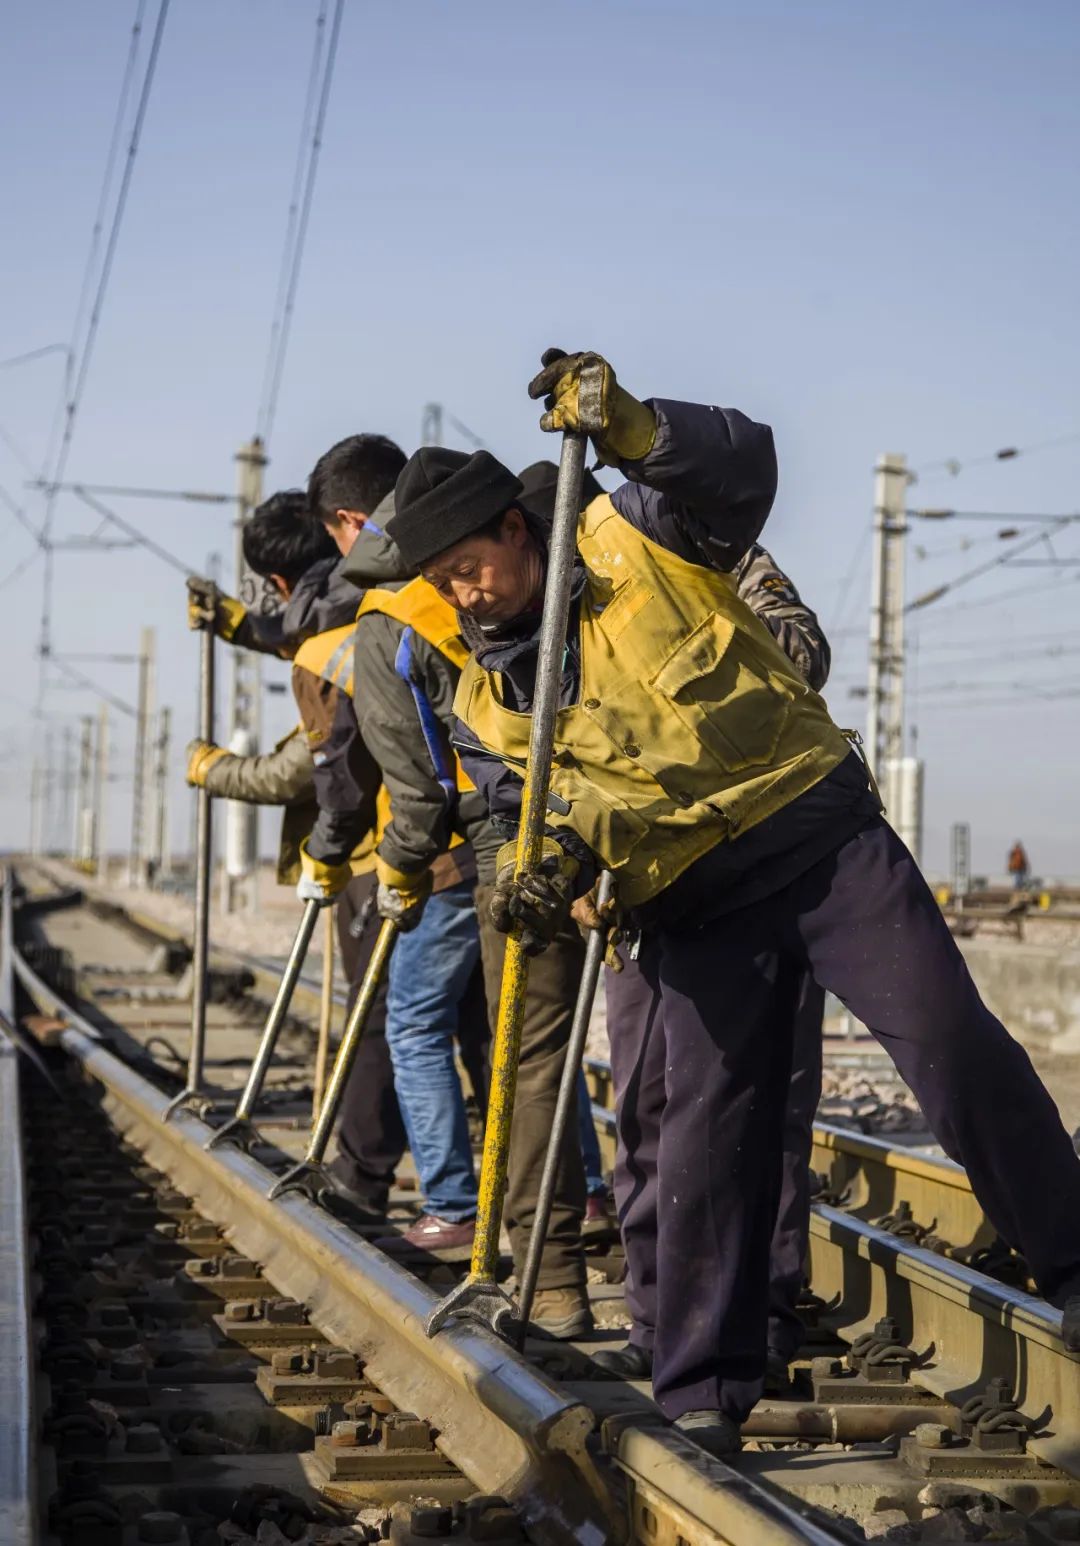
(710, 477)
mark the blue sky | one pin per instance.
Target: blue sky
(856, 222)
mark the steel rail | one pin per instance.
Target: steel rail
(968, 1326)
(878, 1175)
(507, 1427)
(18, 1461)
(511, 1430)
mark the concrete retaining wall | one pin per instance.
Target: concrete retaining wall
(1033, 989)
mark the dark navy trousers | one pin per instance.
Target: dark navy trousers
(639, 1053)
(723, 1000)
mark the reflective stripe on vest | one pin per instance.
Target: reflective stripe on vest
(692, 725)
(420, 607)
(423, 611)
(330, 655)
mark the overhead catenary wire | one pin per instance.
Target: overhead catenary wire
(954, 465)
(19, 513)
(20, 568)
(134, 533)
(297, 226)
(86, 354)
(1056, 525)
(292, 220)
(82, 680)
(77, 373)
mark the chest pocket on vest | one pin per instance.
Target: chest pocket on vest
(732, 702)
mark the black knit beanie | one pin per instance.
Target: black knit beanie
(538, 484)
(443, 496)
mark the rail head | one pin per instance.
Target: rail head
(507, 1427)
(963, 1325)
(18, 1461)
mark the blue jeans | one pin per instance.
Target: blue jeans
(595, 1185)
(429, 971)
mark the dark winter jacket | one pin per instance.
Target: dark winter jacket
(282, 777)
(321, 599)
(376, 738)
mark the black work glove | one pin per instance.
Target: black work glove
(539, 902)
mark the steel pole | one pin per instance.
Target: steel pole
(564, 1105)
(238, 1129)
(200, 959)
(480, 1295)
(308, 1175)
(326, 1010)
(101, 792)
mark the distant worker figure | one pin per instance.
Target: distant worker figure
(1019, 865)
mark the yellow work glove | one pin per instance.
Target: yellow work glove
(319, 882)
(228, 614)
(401, 896)
(201, 757)
(589, 916)
(539, 902)
(621, 428)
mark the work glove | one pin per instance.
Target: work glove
(539, 902)
(621, 428)
(201, 757)
(319, 882)
(228, 614)
(588, 914)
(401, 897)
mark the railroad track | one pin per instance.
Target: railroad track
(927, 1388)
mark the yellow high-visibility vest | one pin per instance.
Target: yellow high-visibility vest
(692, 725)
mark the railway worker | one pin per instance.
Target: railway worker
(747, 845)
(639, 1056)
(436, 957)
(299, 562)
(637, 1040)
(408, 660)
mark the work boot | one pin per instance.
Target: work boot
(433, 1238)
(368, 1198)
(599, 1223)
(562, 1312)
(625, 1363)
(1070, 1324)
(777, 1375)
(716, 1434)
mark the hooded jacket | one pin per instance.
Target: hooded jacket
(322, 599)
(422, 822)
(372, 736)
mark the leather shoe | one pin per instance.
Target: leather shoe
(624, 1363)
(716, 1434)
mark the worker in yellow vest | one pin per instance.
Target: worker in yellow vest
(434, 981)
(323, 757)
(748, 847)
(409, 657)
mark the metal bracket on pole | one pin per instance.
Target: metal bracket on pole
(308, 1176)
(193, 1095)
(480, 1297)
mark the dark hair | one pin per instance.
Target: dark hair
(356, 474)
(278, 540)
